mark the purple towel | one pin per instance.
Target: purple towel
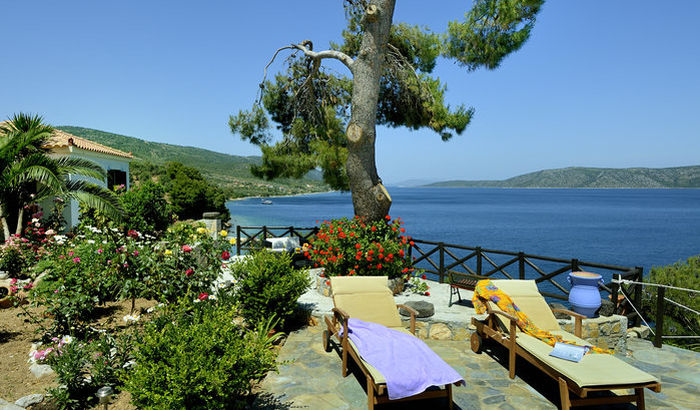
(408, 365)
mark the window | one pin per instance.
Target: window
(115, 177)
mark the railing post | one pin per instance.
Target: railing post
(660, 305)
(264, 235)
(238, 240)
(638, 293)
(291, 231)
(574, 265)
(521, 265)
(478, 260)
(614, 295)
(441, 270)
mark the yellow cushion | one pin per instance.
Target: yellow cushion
(529, 300)
(593, 370)
(342, 285)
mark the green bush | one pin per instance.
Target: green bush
(195, 357)
(677, 321)
(269, 286)
(146, 208)
(83, 367)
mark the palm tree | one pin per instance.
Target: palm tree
(28, 174)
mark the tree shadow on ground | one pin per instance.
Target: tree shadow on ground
(268, 401)
(541, 382)
(7, 336)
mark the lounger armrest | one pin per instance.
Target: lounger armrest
(413, 313)
(578, 319)
(506, 315)
(340, 315)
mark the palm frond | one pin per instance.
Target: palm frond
(82, 167)
(96, 197)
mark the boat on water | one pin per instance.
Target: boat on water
(265, 201)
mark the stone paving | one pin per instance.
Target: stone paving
(311, 378)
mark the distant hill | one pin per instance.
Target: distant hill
(230, 172)
(579, 177)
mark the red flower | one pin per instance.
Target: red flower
(388, 218)
(203, 296)
(379, 266)
(186, 248)
(411, 243)
(133, 234)
(328, 283)
(352, 271)
(427, 293)
(374, 228)
(189, 272)
(358, 246)
(225, 255)
(424, 277)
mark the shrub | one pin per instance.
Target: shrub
(194, 356)
(269, 286)
(677, 321)
(359, 247)
(83, 367)
(146, 208)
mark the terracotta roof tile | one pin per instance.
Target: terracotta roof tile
(62, 139)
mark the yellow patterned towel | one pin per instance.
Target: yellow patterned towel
(486, 291)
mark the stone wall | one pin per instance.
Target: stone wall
(425, 329)
(607, 332)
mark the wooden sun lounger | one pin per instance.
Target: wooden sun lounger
(369, 299)
(595, 372)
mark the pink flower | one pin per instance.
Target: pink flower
(126, 265)
(100, 251)
(203, 296)
(55, 291)
(189, 272)
(136, 253)
(76, 260)
(13, 281)
(71, 253)
(186, 248)
(28, 286)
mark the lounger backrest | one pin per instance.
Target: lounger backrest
(529, 300)
(366, 298)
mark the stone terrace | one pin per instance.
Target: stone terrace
(311, 378)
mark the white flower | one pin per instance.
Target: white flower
(66, 340)
(129, 364)
(212, 297)
(196, 301)
(132, 318)
(90, 241)
(35, 220)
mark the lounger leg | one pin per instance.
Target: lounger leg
(344, 371)
(370, 394)
(640, 398)
(564, 395)
(512, 348)
(449, 396)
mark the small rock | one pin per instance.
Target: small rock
(6, 405)
(607, 308)
(40, 370)
(30, 400)
(211, 215)
(424, 309)
(440, 331)
(559, 315)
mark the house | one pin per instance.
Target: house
(114, 161)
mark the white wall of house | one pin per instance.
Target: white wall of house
(71, 212)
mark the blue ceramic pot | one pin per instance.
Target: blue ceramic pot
(585, 296)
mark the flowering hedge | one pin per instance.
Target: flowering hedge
(346, 247)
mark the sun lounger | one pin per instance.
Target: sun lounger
(595, 372)
(368, 299)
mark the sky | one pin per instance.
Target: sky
(600, 83)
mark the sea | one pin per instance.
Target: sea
(622, 227)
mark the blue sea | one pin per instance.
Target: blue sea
(623, 227)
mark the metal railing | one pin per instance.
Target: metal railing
(250, 237)
(448, 260)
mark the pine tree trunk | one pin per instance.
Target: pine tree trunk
(369, 197)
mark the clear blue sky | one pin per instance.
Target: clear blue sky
(600, 83)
